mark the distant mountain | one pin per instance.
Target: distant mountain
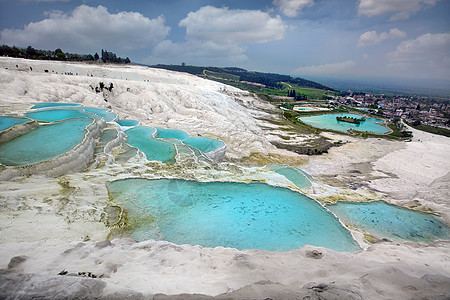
(233, 74)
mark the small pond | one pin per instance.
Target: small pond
(128, 122)
(301, 179)
(396, 223)
(107, 136)
(44, 142)
(204, 144)
(54, 104)
(164, 133)
(53, 115)
(7, 122)
(162, 144)
(142, 138)
(328, 121)
(105, 113)
(237, 215)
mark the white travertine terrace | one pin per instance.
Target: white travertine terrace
(17, 130)
(218, 154)
(50, 224)
(74, 160)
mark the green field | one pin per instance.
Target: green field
(273, 91)
(311, 93)
(225, 76)
(234, 80)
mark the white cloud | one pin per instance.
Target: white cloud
(427, 56)
(222, 32)
(232, 25)
(371, 37)
(336, 68)
(427, 47)
(88, 29)
(291, 8)
(399, 9)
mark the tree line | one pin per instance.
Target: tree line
(270, 80)
(296, 96)
(112, 57)
(58, 54)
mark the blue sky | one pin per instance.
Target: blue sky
(308, 38)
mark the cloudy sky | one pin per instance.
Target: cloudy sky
(308, 38)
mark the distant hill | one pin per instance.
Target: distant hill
(236, 75)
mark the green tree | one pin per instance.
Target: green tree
(61, 56)
(31, 52)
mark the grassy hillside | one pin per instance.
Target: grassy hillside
(258, 82)
(310, 93)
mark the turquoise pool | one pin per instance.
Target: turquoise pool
(328, 121)
(107, 136)
(7, 122)
(44, 142)
(154, 149)
(105, 113)
(64, 111)
(52, 115)
(162, 144)
(204, 144)
(126, 153)
(54, 104)
(301, 179)
(237, 215)
(128, 123)
(164, 133)
(388, 221)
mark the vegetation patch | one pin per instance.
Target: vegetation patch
(370, 238)
(431, 129)
(66, 189)
(308, 92)
(226, 76)
(268, 83)
(58, 54)
(351, 120)
(260, 160)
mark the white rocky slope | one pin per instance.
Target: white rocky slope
(48, 225)
(155, 97)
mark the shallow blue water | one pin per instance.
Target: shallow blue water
(6, 122)
(388, 221)
(154, 149)
(126, 153)
(105, 113)
(204, 144)
(128, 122)
(164, 133)
(107, 136)
(295, 175)
(44, 142)
(238, 215)
(328, 121)
(52, 115)
(54, 104)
